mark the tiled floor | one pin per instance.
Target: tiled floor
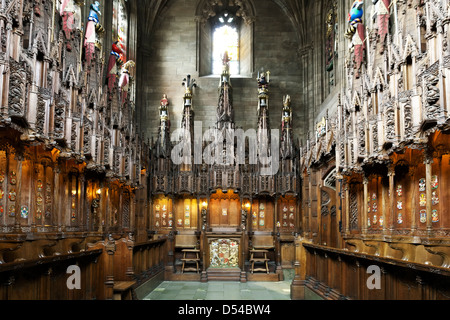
(217, 290)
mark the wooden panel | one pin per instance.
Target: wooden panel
(420, 177)
(185, 240)
(234, 213)
(403, 198)
(336, 274)
(407, 288)
(444, 192)
(262, 215)
(287, 255)
(328, 227)
(439, 192)
(163, 213)
(287, 213)
(186, 214)
(265, 241)
(214, 212)
(225, 212)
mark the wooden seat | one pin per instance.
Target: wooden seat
(122, 290)
(190, 256)
(259, 256)
(262, 244)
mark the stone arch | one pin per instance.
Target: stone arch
(206, 9)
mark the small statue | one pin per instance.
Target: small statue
(354, 17)
(356, 33)
(70, 13)
(287, 113)
(93, 24)
(67, 14)
(115, 60)
(37, 8)
(124, 80)
(383, 16)
(263, 82)
(226, 60)
(164, 103)
(225, 77)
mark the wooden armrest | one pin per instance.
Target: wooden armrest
(123, 285)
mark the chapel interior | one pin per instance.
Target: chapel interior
(224, 140)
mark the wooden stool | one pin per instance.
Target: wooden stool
(186, 259)
(261, 256)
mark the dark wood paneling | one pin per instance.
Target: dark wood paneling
(339, 274)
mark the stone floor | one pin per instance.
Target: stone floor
(226, 290)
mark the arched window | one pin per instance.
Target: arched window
(225, 38)
(225, 27)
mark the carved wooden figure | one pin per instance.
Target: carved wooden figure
(383, 15)
(93, 23)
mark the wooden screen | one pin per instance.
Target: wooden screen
(225, 210)
(420, 197)
(375, 219)
(443, 192)
(287, 211)
(163, 213)
(186, 213)
(262, 215)
(403, 198)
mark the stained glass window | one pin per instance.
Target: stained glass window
(226, 38)
(119, 31)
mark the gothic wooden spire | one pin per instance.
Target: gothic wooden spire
(287, 142)
(163, 142)
(263, 113)
(187, 122)
(225, 112)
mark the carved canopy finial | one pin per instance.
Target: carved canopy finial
(189, 84)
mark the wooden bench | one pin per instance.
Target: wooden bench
(122, 290)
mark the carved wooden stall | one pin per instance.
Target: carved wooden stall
(226, 208)
(337, 274)
(73, 167)
(380, 161)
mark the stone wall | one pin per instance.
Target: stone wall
(173, 55)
